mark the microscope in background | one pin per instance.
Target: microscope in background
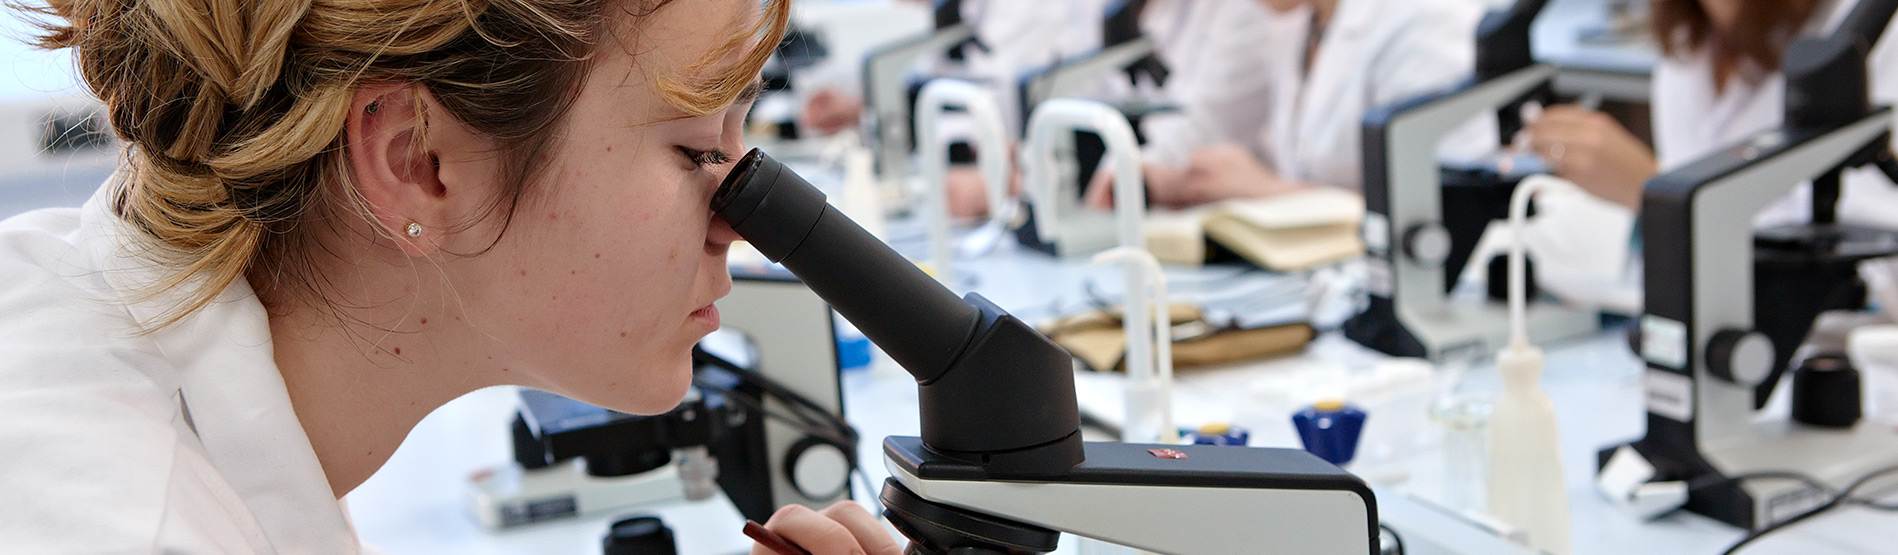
(767, 429)
(774, 116)
(1000, 467)
(1076, 153)
(890, 94)
(1728, 305)
(1418, 231)
(1124, 49)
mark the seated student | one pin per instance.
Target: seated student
(335, 217)
(1326, 63)
(1718, 82)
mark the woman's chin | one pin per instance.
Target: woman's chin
(656, 389)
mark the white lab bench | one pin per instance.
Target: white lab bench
(417, 503)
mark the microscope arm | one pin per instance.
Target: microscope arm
(1073, 76)
(1697, 226)
(886, 95)
(1401, 179)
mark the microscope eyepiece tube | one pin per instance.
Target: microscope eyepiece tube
(921, 324)
(991, 390)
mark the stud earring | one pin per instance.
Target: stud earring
(372, 107)
(415, 229)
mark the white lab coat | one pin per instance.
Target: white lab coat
(181, 440)
(1691, 120)
(1374, 52)
(1221, 75)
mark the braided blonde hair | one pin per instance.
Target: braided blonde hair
(235, 109)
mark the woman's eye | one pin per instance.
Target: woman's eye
(705, 158)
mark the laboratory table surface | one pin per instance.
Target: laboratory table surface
(418, 502)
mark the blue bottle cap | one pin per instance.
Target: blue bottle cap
(1330, 429)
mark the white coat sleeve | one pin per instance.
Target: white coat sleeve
(91, 456)
(1225, 94)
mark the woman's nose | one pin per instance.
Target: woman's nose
(720, 232)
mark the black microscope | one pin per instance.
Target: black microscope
(1000, 467)
(1728, 305)
(1422, 221)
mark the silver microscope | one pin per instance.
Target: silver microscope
(887, 88)
(1727, 305)
(1000, 467)
(1417, 239)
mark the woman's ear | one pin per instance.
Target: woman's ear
(398, 138)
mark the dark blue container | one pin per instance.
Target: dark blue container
(1330, 430)
(1219, 434)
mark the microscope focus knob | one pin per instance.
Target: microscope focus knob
(1742, 357)
(819, 469)
(1427, 245)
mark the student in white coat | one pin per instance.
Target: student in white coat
(1718, 82)
(330, 224)
(1018, 36)
(1330, 62)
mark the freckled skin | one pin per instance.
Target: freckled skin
(643, 215)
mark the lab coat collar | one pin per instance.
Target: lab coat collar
(230, 388)
(1341, 50)
(1313, 96)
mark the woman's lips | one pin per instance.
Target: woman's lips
(707, 315)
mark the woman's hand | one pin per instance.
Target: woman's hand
(843, 529)
(1592, 150)
(1221, 172)
(1214, 173)
(1100, 189)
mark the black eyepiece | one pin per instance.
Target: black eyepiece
(991, 390)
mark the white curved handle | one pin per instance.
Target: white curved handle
(1066, 115)
(1149, 377)
(991, 144)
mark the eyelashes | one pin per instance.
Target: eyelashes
(705, 158)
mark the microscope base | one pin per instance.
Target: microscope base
(1211, 500)
(508, 496)
(1835, 457)
(1461, 329)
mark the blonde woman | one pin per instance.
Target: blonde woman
(336, 215)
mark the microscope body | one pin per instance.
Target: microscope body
(1000, 423)
(1726, 307)
(1413, 233)
(888, 99)
(1409, 246)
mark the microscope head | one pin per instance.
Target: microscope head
(1827, 82)
(1502, 39)
(1122, 22)
(947, 13)
(993, 391)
